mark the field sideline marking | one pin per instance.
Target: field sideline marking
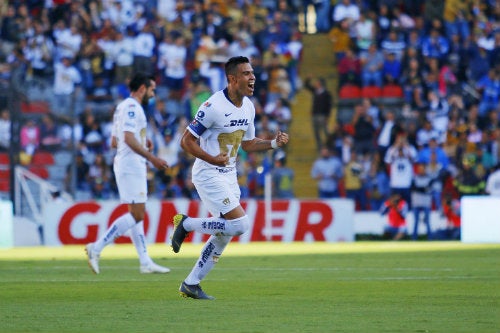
(125, 251)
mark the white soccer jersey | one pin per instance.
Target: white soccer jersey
(221, 127)
(129, 117)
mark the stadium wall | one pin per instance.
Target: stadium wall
(294, 220)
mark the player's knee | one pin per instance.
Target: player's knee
(241, 225)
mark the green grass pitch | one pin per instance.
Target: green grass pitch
(260, 287)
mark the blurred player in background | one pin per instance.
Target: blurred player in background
(223, 124)
(133, 152)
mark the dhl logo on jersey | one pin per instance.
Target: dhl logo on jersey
(237, 122)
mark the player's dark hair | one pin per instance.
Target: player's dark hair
(138, 79)
(232, 64)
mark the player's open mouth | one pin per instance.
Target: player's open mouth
(251, 85)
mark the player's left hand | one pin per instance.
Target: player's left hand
(281, 138)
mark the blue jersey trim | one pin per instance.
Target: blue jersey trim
(197, 127)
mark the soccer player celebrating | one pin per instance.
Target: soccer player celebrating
(223, 124)
(133, 150)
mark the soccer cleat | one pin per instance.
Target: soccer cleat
(193, 291)
(153, 268)
(179, 232)
(93, 258)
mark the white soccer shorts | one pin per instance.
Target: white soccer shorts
(219, 193)
(132, 187)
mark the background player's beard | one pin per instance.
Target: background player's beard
(145, 102)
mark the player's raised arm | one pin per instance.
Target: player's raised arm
(258, 144)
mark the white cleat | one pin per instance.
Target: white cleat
(153, 268)
(93, 258)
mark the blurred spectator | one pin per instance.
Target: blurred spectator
(321, 108)
(199, 93)
(123, 55)
(425, 133)
(373, 110)
(413, 85)
(456, 15)
(4, 130)
(372, 62)
(66, 80)
(39, 51)
(344, 9)
(294, 52)
(90, 62)
(99, 98)
(433, 147)
(467, 182)
(49, 134)
(364, 130)
(144, 46)
(327, 170)
(393, 44)
(433, 10)
(68, 40)
(323, 9)
(400, 158)
(99, 176)
(489, 88)
(82, 174)
(479, 64)
(396, 209)
(391, 69)
(354, 178)
(279, 112)
(9, 30)
(30, 139)
(383, 22)
(167, 145)
(435, 45)
(386, 133)
(282, 177)
(349, 69)
(377, 184)
(401, 20)
(451, 212)
(172, 60)
(437, 114)
(365, 30)
(421, 199)
(493, 182)
(340, 38)
(439, 175)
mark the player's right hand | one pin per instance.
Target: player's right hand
(159, 163)
(221, 160)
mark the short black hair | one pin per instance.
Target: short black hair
(232, 64)
(138, 79)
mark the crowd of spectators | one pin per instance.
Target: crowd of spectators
(446, 57)
(77, 55)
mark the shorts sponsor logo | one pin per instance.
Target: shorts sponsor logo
(226, 201)
(224, 170)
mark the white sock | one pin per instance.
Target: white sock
(118, 228)
(208, 258)
(139, 239)
(217, 225)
